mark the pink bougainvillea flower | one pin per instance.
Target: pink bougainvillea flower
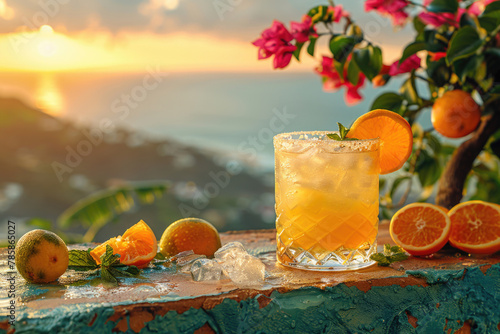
(409, 64)
(438, 19)
(276, 41)
(332, 81)
(338, 12)
(477, 7)
(393, 8)
(435, 56)
(302, 30)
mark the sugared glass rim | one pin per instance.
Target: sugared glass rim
(359, 145)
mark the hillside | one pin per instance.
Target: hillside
(47, 164)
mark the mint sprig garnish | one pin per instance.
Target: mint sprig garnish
(390, 255)
(342, 135)
(110, 268)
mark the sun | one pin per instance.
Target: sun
(46, 46)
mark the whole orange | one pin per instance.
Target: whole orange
(187, 234)
(455, 114)
(41, 256)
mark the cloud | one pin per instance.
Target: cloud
(241, 20)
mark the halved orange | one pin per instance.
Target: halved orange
(420, 228)
(137, 246)
(394, 133)
(475, 227)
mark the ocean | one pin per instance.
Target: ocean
(235, 113)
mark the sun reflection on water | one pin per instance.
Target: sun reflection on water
(48, 96)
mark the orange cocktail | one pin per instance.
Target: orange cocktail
(327, 205)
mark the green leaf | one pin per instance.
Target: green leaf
(353, 73)
(355, 32)
(159, 256)
(495, 147)
(464, 43)
(102, 207)
(467, 20)
(131, 271)
(467, 67)
(381, 259)
(369, 60)
(397, 257)
(107, 276)
(341, 46)
(381, 183)
(418, 25)
(343, 131)
(318, 13)
(409, 90)
(443, 6)
(390, 255)
(396, 249)
(386, 213)
(434, 41)
(489, 23)
(109, 259)
(411, 49)
(389, 101)
(433, 142)
(492, 7)
(81, 260)
(397, 182)
(495, 90)
(40, 223)
(339, 67)
(428, 168)
(342, 135)
(312, 44)
(296, 53)
(438, 71)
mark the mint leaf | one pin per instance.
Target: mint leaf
(397, 257)
(108, 276)
(110, 267)
(333, 136)
(343, 131)
(381, 259)
(109, 259)
(390, 255)
(342, 135)
(129, 272)
(81, 260)
(159, 256)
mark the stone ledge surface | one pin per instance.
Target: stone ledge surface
(449, 292)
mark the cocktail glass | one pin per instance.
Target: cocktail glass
(327, 194)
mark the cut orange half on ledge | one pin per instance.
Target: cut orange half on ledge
(475, 227)
(137, 246)
(420, 228)
(394, 133)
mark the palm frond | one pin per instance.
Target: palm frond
(103, 206)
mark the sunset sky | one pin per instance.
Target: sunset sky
(175, 35)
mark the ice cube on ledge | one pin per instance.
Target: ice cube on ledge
(242, 268)
(206, 270)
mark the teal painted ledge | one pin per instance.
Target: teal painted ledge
(447, 293)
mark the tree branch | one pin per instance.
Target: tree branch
(451, 183)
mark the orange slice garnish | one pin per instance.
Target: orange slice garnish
(394, 133)
(475, 227)
(137, 246)
(420, 228)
